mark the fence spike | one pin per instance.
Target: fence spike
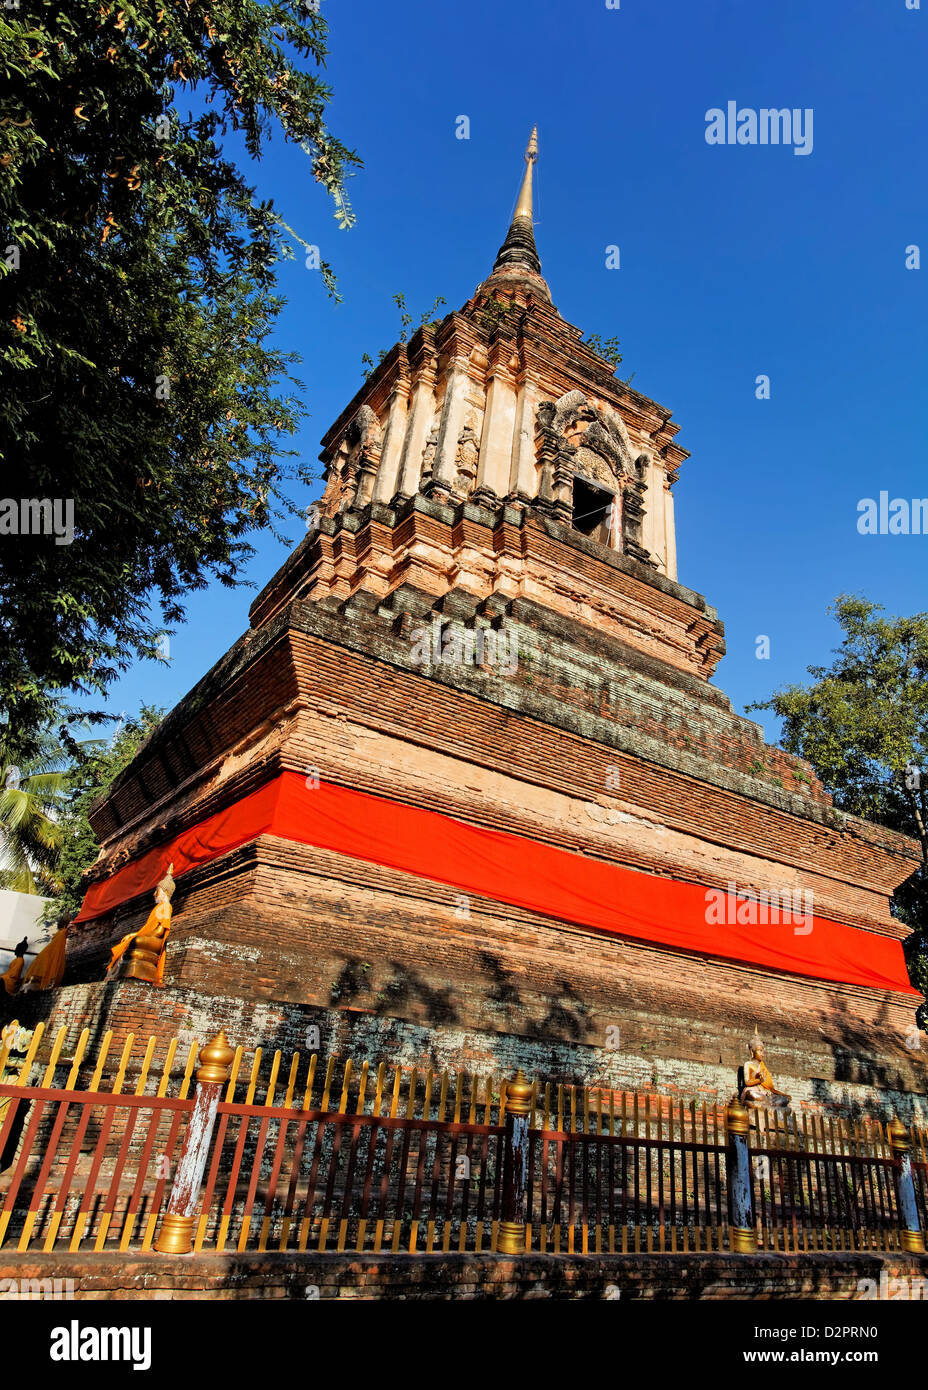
(310, 1078)
(272, 1083)
(377, 1105)
(253, 1079)
(57, 1045)
(327, 1083)
(146, 1065)
(362, 1088)
(101, 1060)
(188, 1070)
(233, 1074)
(291, 1081)
(123, 1063)
(77, 1059)
(346, 1081)
(166, 1069)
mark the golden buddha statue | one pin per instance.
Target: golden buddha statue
(758, 1083)
(145, 948)
(47, 970)
(11, 979)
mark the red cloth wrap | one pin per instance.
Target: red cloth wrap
(511, 869)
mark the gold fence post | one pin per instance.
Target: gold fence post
(738, 1173)
(510, 1238)
(913, 1240)
(176, 1232)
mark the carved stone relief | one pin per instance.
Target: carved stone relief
(574, 437)
(428, 457)
(466, 456)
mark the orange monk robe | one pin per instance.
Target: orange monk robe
(158, 925)
(47, 969)
(764, 1073)
(11, 979)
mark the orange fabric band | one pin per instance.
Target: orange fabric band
(514, 869)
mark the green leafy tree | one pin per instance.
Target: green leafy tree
(91, 773)
(608, 349)
(368, 364)
(32, 792)
(137, 278)
(863, 725)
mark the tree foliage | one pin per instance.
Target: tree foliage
(609, 349)
(863, 725)
(137, 276)
(368, 365)
(32, 791)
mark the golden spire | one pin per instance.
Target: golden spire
(524, 205)
(518, 250)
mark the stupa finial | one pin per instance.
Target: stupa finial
(524, 205)
(519, 247)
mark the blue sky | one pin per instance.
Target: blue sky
(736, 261)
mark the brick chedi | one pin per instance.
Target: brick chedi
(463, 792)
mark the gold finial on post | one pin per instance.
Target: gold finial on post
(215, 1060)
(900, 1142)
(737, 1119)
(176, 1234)
(510, 1236)
(519, 1095)
(899, 1139)
(524, 205)
(741, 1231)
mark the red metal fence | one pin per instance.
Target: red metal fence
(338, 1157)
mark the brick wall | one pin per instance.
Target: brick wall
(668, 1054)
(464, 1276)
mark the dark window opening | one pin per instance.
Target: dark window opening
(592, 511)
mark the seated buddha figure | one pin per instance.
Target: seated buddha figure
(145, 948)
(758, 1083)
(11, 979)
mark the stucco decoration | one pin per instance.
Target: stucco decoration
(466, 456)
(573, 436)
(428, 457)
(361, 452)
